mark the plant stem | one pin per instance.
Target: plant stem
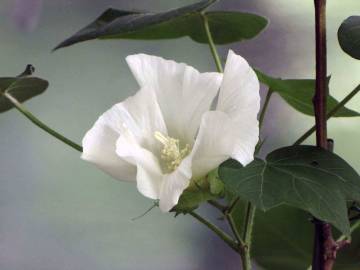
(217, 205)
(321, 92)
(342, 238)
(212, 44)
(231, 221)
(323, 255)
(247, 235)
(352, 229)
(40, 124)
(340, 105)
(265, 107)
(235, 230)
(224, 236)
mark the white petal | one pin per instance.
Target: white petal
(99, 145)
(232, 130)
(174, 184)
(141, 116)
(149, 174)
(212, 145)
(239, 93)
(137, 117)
(183, 93)
(239, 98)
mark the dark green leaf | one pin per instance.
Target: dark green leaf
(288, 233)
(21, 88)
(304, 177)
(299, 94)
(349, 36)
(349, 257)
(226, 27)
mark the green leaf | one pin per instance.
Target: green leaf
(349, 36)
(305, 177)
(288, 233)
(285, 230)
(349, 258)
(226, 27)
(21, 88)
(299, 94)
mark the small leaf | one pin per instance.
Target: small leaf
(305, 177)
(299, 94)
(215, 184)
(29, 70)
(349, 36)
(197, 193)
(226, 27)
(21, 88)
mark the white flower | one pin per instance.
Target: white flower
(166, 134)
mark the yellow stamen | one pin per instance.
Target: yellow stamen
(171, 153)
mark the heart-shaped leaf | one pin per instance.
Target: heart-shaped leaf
(21, 88)
(299, 94)
(349, 36)
(226, 27)
(305, 177)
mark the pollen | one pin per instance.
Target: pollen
(171, 153)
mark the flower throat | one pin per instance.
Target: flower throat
(171, 153)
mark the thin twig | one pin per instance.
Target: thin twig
(340, 105)
(212, 44)
(40, 124)
(264, 109)
(217, 205)
(224, 236)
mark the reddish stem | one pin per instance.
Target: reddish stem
(321, 73)
(323, 240)
(325, 247)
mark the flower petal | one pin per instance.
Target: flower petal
(149, 174)
(233, 129)
(174, 184)
(239, 92)
(141, 116)
(214, 143)
(183, 93)
(99, 148)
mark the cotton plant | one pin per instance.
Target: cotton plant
(188, 138)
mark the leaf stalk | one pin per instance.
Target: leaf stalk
(224, 236)
(211, 43)
(40, 124)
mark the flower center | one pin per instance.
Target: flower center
(171, 153)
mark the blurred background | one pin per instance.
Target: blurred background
(58, 212)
